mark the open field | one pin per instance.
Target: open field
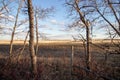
(58, 42)
(54, 61)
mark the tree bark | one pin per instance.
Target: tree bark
(31, 41)
(88, 55)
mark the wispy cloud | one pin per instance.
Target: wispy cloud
(61, 37)
(55, 22)
(9, 17)
(44, 26)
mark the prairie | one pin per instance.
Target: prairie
(54, 61)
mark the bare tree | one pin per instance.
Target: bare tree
(75, 6)
(14, 28)
(117, 17)
(110, 8)
(92, 10)
(4, 13)
(102, 14)
(4, 7)
(31, 41)
(105, 8)
(40, 13)
(37, 38)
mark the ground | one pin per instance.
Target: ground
(54, 62)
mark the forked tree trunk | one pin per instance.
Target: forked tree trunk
(31, 41)
(86, 23)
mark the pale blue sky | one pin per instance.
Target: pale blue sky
(55, 26)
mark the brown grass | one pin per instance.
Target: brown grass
(54, 63)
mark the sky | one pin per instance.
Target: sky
(53, 27)
(57, 25)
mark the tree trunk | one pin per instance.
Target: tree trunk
(86, 23)
(72, 61)
(36, 20)
(19, 56)
(13, 32)
(88, 56)
(31, 41)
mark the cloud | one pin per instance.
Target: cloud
(44, 33)
(60, 37)
(9, 17)
(55, 22)
(44, 26)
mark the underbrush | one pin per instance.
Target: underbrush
(57, 69)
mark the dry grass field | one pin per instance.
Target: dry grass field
(54, 61)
